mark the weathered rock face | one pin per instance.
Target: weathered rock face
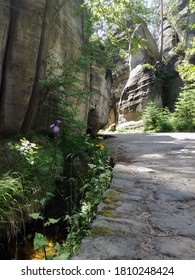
(177, 38)
(99, 106)
(181, 20)
(177, 33)
(141, 85)
(119, 80)
(32, 32)
(170, 38)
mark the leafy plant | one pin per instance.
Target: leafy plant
(156, 119)
(187, 73)
(185, 111)
(27, 149)
(40, 242)
(114, 24)
(93, 189)
(16, 200)
(148, 67)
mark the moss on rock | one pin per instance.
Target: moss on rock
(106, 231)
(111, 196)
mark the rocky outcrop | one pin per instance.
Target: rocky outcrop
(177, 37)
(181, 18)
(141, 85)
(99, 104)
(33, 33)
(144, 80)
(119, 80)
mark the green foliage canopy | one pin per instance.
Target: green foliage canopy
(114, 23)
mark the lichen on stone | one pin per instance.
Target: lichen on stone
(99, 231)
(106, 231)
(111, 196)
(109, 207)
(111, 214)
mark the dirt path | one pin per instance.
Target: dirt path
(149, 210)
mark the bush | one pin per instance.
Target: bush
(156, 119)
(16, 201)
(184, 114)
(182, 120)
(148, 66)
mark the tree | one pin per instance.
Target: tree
(115, 22)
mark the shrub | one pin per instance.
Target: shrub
(182, 120)
(156, 119)
(184, 114)
(16, 201)
(148, 66)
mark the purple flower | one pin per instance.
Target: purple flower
(56, 129)
(58, 122)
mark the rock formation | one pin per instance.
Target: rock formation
(143, 80)
(99, 104)
(30, 31)
(141, 85)
(177, 38)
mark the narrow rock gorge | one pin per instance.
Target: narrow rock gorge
(33, 33)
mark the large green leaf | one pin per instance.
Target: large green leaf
(40, 241)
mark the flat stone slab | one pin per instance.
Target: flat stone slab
(149, 210)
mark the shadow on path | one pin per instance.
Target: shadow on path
(149, 210)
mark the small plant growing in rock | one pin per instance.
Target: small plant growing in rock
(148, 66)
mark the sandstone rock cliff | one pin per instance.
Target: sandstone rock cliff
(141, 85)
(177, 38)
(30, 31)
(99, 104)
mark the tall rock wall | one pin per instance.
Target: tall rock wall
(177, 37)
(141, 85)
(99, 103)
(32, 33)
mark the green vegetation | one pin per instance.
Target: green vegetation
(15, 200)
(60, 167)
(182, 120)
(148, 66)
(113, 26)
(41, 172)
(26, 195)
(156, 119)
(82, 211)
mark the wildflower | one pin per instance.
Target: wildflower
(55, 127)
(91, 166)
(100, 146)
(58, 122)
